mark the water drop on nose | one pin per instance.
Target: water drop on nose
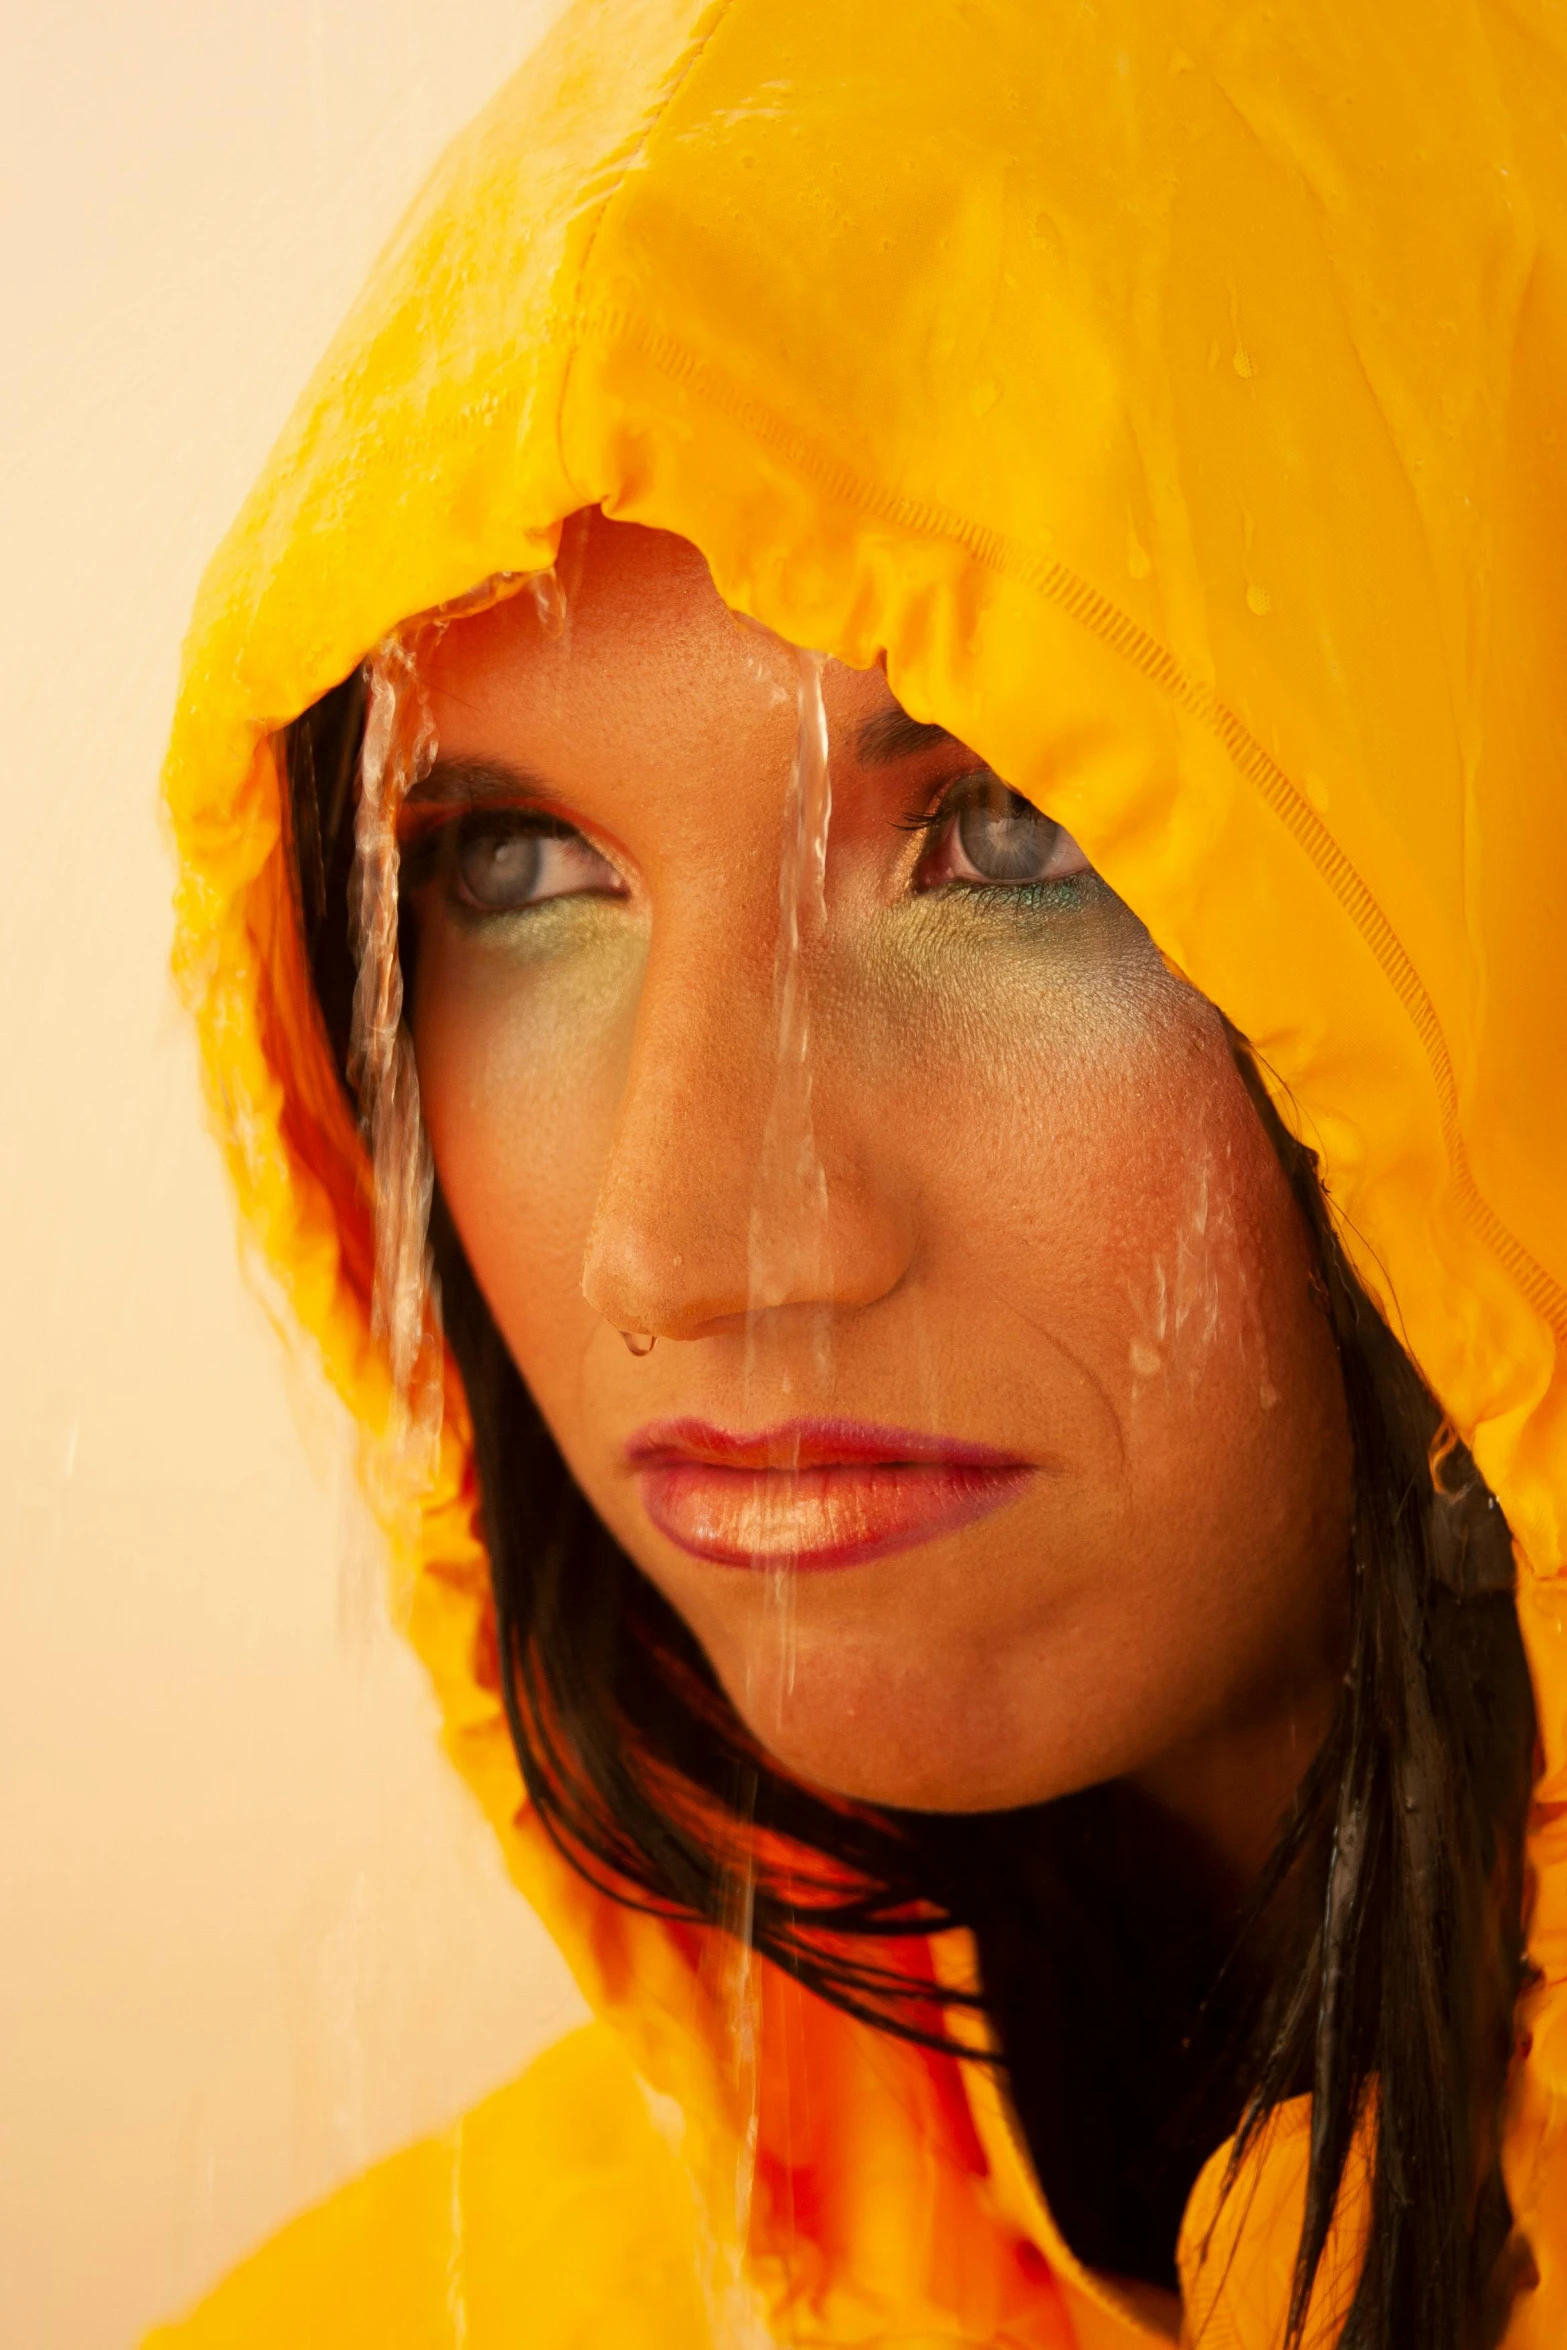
(639, 1342)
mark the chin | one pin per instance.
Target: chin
(884, 1756)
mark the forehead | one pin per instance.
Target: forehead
(646, 649)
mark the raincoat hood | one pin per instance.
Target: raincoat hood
(1207, 355)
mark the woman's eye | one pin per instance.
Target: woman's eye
(502, 863)
(990, 836)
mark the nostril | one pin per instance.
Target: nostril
(632, 1277)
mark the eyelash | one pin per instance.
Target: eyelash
(429, 851)
(930, 821)
(954, 801)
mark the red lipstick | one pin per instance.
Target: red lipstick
(814, 1493)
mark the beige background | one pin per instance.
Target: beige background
(252, 1931)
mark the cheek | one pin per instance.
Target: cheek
(1093, 1173)
(1147, 1227)
(1195, 1267)
(520, 1075)
(1112, 1263)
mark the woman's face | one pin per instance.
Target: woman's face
(992, 1442)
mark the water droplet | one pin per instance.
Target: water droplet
(549, 601)
(639, 1342)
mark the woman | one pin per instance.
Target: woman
(1024, 1719)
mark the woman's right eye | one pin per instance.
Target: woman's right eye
(504, 861)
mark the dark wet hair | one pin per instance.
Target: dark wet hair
(1140, 2021)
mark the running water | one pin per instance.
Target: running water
(787, 1371)
(549, 600)
(735, 2314)
(399, 749)
(789, 1246)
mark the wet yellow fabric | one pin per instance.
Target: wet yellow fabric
(554, 2215)
(1206, 358)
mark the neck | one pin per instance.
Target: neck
(1233, 1787)
(1103, 1926)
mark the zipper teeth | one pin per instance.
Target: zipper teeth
(996, 551)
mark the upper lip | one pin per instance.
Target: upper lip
(807, 1444)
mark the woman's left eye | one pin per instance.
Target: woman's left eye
(502, 861)
(990, 837)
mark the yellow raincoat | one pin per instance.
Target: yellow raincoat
(1204, 353)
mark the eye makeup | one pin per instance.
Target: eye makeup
(984, 835)
(496, 861)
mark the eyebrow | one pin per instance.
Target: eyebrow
(892, 734)
(879, 740)
(464, 782)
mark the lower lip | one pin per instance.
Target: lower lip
(816, 1518)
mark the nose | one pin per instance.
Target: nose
(738, 1182)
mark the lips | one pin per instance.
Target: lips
(814, 1494)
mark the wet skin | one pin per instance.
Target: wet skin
(1055, 1229)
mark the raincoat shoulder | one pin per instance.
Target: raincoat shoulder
(555, 2205)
